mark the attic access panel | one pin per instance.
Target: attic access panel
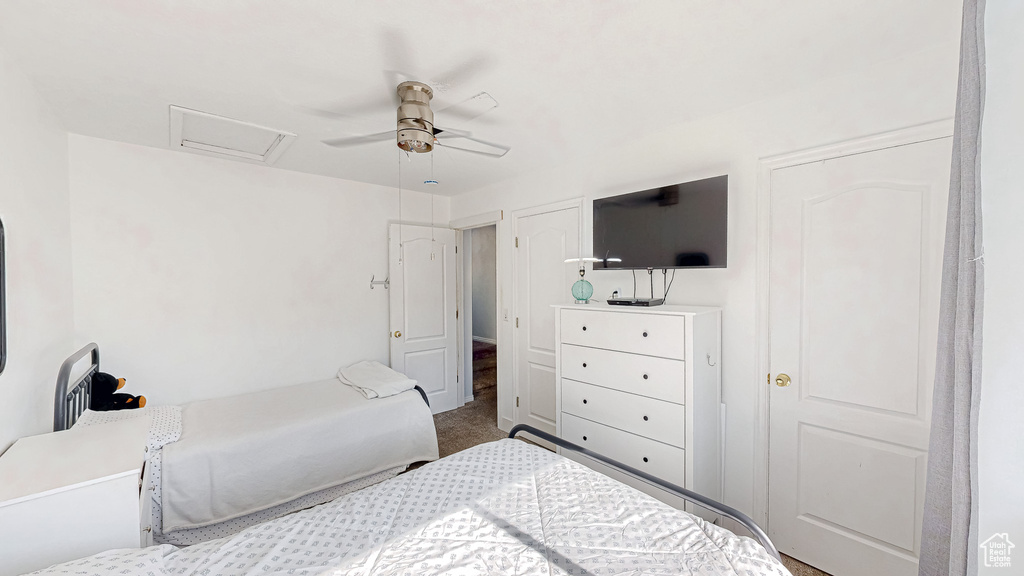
(214, 135)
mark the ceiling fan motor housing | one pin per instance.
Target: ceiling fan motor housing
(415, 119)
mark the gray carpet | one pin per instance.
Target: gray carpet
(485, 366)
(798, 568)
(472, 424)
(477, 421)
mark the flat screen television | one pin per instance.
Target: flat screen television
(678, 226)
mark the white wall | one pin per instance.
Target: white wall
(1001, 426)
(484, 283)
(201, 277)
(34, 209)
(902, 92)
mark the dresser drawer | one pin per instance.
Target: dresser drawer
(650, 334)
(660, 378)
(654, 419)
(661, 460)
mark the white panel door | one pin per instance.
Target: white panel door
(421, 262)
(856, 256)
(542, 278)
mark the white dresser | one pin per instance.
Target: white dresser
(69, 494)
(643, 386)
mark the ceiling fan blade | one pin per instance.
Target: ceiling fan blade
(497, 153)
(320, 112)
(470, 108)
(336, 110)
(358, 140)
(398, 55)
(396, 49)
(460, 140)
(392, 78)
(450, 133)
(464, 72)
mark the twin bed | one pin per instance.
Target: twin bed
(218, 466)
(505, 507)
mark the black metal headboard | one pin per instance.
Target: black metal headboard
(72, 398)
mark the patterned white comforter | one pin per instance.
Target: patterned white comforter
(506, 507)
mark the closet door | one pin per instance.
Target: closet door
(421, 262)
(542, 278)
(856, 258)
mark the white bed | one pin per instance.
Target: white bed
(219, 466)
(505, 507)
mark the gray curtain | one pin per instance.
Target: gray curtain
(949, 540)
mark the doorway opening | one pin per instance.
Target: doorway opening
(476, 421)
(483, 383)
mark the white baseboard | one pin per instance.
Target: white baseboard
(487, 340)
(469, 399)
(505, 424)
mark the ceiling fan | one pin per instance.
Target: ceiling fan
(415, 131)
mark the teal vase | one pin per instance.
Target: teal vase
(582, 291)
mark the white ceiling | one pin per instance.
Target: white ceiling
(568, 75)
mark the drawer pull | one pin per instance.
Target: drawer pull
(584, 438)
(584, 328)
(645, 333)
(585, 401)
(645, 376)
(645, 417)
(645, 458)
(584, 364)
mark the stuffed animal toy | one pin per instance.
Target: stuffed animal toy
(105, 397)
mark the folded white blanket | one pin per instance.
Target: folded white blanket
(375, 380)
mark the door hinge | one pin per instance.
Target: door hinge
(517, 401)
(768, 378)
(456, 314)
(456, 249)
(502, 214)
(517, 321)
(517, 241)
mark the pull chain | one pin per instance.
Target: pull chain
(401, 246)
(432, 208)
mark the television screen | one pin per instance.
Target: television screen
(678, 226)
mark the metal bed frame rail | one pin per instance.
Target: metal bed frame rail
(72, 398)
(688, 495)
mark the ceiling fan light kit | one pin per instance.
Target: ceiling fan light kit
(415, 119)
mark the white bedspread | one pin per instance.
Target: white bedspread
(245, 453)
(500, 508)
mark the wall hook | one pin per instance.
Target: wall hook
(709, 361)
(385, 282)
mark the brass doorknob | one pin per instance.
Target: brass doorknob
(782, 380)
(398, 334)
